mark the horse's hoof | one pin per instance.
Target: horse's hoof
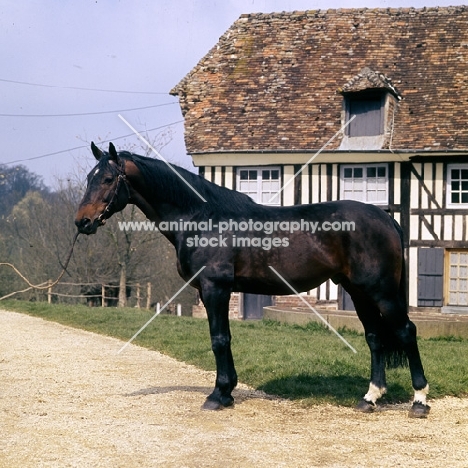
(214, 405)
(211, 405)
(227, 401)
(419, 410)
(365, 406)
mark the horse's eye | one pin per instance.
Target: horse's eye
(108, 180)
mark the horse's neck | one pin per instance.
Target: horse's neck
(141, 202)
(142, 196)
(152, 214)
(156, 211)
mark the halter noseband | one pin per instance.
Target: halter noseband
(120, 178)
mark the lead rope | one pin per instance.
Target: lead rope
(41, 285)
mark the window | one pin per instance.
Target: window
(457, 184)
(368, 107)
(260, 184)
(365, 182)
(457, 285)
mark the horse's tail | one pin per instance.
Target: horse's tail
(402, 293)
(394, 353)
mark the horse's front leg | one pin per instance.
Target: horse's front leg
(216, 302)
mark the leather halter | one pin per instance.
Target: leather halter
(121, 178)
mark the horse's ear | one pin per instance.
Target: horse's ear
(113, 153)
(96, 151)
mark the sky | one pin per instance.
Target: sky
(69, 68)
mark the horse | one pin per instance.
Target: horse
(206, 224)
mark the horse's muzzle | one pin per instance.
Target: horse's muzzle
(86, 226)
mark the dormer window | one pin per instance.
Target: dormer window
(368, 107)
(371, 99)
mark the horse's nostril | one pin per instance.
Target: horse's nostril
(83, 222)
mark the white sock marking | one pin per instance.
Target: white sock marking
(420, 395)
(374, 393)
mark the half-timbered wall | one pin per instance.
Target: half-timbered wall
(417, 199)
(432, 222)
(437, 230)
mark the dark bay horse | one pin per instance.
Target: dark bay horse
(237, 241)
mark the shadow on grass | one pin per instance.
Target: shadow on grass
(344, 390)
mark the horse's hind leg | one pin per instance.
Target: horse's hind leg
(396, 320)
(407, 337)
(378, 384)
(369, 316)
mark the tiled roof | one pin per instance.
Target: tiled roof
(276, 81)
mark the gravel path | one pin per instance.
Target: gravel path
(67, 399)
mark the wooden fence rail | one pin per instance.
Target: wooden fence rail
(98, 295)
(102, 295)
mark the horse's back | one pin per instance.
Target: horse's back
(346, 241)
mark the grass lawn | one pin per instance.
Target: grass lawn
(306, 363)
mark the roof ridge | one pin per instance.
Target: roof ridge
(390, 10)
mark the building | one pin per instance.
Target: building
(276, 90)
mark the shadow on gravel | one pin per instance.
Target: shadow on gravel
(240, 394)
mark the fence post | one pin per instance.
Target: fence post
(103, 295)
(148, 295)
(138, 295)
(179, 310)
(49, 292)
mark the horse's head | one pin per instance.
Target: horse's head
(107, 191)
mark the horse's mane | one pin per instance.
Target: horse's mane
(166, 186)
